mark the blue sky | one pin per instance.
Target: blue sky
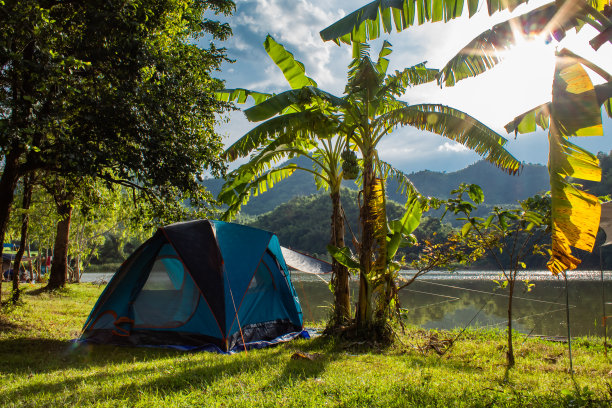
(494, 98)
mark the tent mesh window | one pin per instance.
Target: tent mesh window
(169, 297)
(262, 279)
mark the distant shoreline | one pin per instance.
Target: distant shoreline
(463, 275)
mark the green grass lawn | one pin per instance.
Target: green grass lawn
(39, 366)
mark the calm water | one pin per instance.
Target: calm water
(444, 301)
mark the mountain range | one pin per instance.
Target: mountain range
(499, 187)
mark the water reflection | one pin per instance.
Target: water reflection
(469, 298)
(463, 299)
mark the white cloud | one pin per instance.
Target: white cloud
(296, 25)
(452, 147)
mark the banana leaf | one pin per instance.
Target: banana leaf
(368, 22)
(540, 115)
(575, 214)
(458, 126)
(307, 124)
(240, 95)
(238, 194)
(486, 50)
(292, 69)
(292, 100)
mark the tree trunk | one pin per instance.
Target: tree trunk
(8, 182)
(25, 220)
(31, 263)
(38, 270)
(47, 272)
(510, 353)
(59, 266)
(340, 274)
(77, 269)
(364, 306)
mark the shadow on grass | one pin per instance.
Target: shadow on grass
(6, 326)
(187, 372)
(35, 355)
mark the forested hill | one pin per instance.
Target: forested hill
(499, 187)
(304, 223)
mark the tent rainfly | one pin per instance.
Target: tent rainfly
(199, 284)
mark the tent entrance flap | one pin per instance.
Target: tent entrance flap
(169, 296)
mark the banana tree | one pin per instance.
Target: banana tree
(260, 174)
(369, 110)
(373, 111)
(301, 132)
(302, 121)
(382, 289)
(574, 110)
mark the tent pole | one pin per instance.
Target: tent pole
(569, 333)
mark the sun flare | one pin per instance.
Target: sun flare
(520, 82)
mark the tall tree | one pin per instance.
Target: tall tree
(110, 89)
(28, 185)
(63, 190)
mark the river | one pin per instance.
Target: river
(443, 300)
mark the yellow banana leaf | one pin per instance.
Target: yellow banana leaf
(378, 217)
(575, 214)
(575, 105)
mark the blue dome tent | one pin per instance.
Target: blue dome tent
(196, 284)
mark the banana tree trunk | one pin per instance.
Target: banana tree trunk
(59, 267)
(364, 305)
(340, 274)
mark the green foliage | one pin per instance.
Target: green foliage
(344, 256)
(106, 225)
(516, 232)
(113, 90)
